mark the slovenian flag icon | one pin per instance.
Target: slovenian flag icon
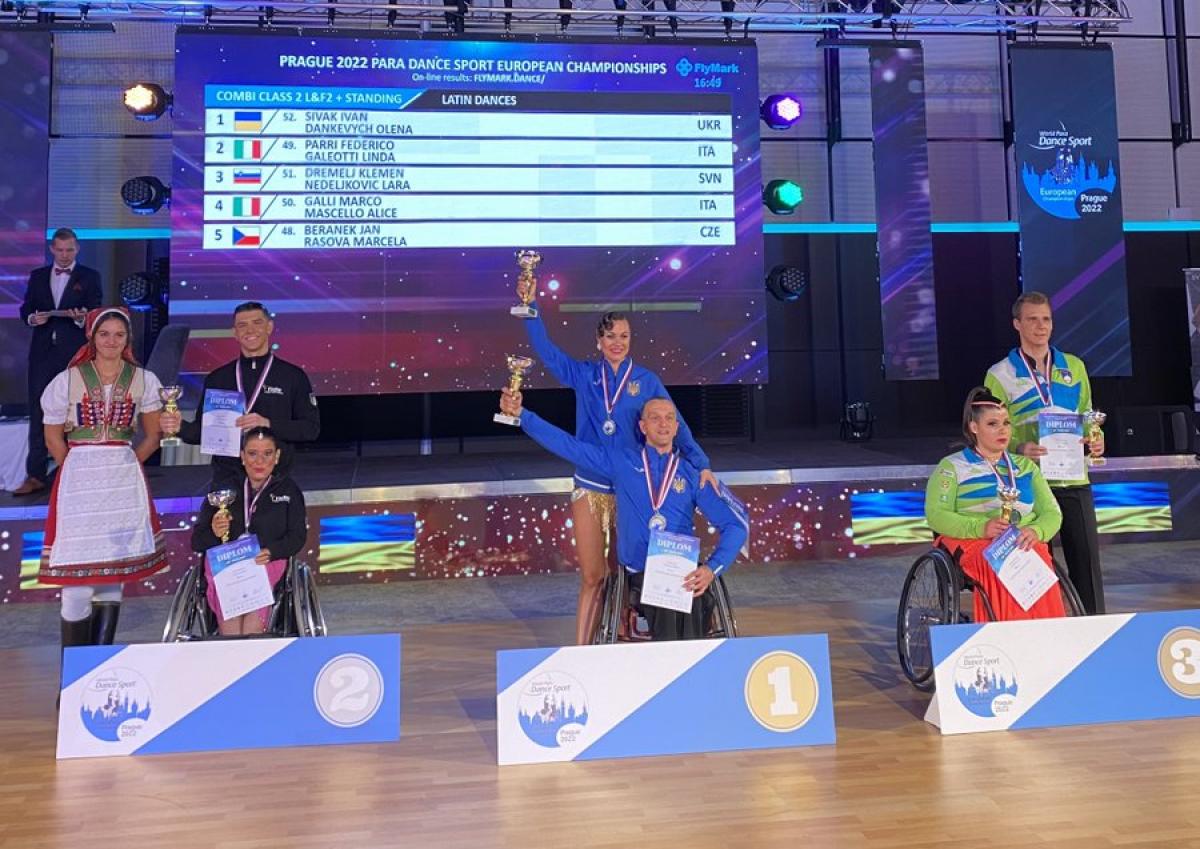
(245, 237)
(247, 176)
(247, 207)
(247, 122)
(248, 149)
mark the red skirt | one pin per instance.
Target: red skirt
(101, 527)
(1005, 606)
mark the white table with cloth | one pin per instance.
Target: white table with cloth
(14, 448)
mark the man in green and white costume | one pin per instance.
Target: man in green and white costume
(1036, 378)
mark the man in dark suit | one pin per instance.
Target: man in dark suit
(57, 299)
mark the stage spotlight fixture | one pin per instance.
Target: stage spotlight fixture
(139, 289)
(145, 195)
(147, 101)
(858, 425)
(786, 282)
(780, 111)
(147, 295)
(782, 196)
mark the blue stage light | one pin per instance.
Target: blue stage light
(780, 111)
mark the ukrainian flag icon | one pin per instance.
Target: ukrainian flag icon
(247, 122)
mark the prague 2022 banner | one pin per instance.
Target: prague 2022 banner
(1069, 185)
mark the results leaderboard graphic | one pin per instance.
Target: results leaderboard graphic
(295, 167)
(373, 190)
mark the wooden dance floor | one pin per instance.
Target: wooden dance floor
(891, 780)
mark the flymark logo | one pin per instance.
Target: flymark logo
(348, 690)
(683, 66)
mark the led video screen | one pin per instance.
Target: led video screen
(373, 193)
(25, 123)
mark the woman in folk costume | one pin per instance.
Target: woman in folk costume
(102, 529)
(964, 507)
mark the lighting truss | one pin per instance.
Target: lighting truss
(600, 17)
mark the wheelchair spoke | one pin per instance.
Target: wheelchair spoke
(926, 600)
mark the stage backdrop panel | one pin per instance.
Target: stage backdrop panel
(902, 213)
(372, 193)
(590, 702)
(1069, 190)
(410, 533)
(24, 126)
(1192, 282)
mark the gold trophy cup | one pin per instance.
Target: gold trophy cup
(169, 395)
(1094, 419)
(221, 499)
(1008, 497)
(517, 366)
(526, 284)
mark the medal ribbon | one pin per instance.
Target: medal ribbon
(1046, 396)
(1012, 476)
(249, 506)
(250, 402)
(656, 501)
(609, 405)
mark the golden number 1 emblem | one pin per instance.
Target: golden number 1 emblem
(780, 679)
(781, 691)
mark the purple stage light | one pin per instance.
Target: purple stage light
(780, 111)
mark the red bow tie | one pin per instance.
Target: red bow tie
(58, 270)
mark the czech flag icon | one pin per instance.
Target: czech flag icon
(246, 237)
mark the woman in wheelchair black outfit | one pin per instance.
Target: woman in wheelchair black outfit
(963, 507)
(269, 506)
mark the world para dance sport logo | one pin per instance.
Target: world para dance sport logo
(1062, 179)
(985, 681)
(115, 705)
(553, 710)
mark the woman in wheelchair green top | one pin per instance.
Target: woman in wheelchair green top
(965, 508)
(268, 505)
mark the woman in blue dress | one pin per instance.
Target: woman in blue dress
(609, 393)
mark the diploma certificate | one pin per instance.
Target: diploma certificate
(218, 433)
(242, 585)
(1024, 574)
(1059, 434)
(669, 559)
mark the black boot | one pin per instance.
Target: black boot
(104, 622)
(77, 633)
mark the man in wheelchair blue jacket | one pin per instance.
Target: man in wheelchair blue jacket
(641, 479)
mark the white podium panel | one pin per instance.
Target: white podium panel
(229, 694)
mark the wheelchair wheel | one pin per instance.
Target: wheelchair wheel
(929, 597)
(724, 623)
(1070, 596)
(188, 617)
(307, 619)
(608, 630)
